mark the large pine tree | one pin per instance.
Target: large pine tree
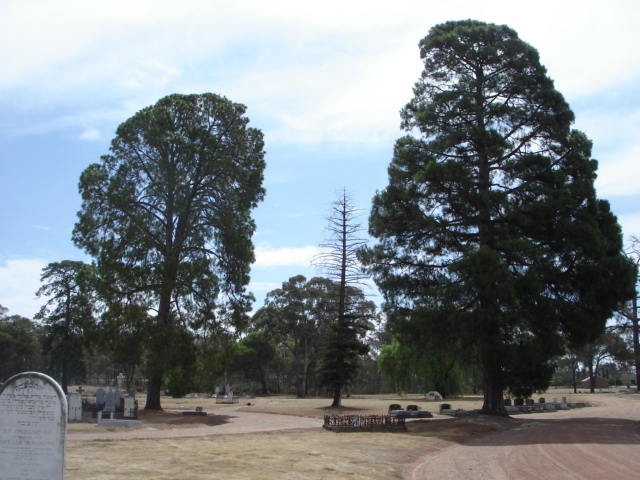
(491, 238)
(166, 215)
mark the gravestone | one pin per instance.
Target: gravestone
(33, 422)
(116, 400)
(129, 407)
(434, 395)
(110, 402)
(100, 398)
(74, 401)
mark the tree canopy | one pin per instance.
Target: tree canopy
(166, 217)
(491, 239)
(69, 316)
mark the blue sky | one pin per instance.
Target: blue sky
(324, 82)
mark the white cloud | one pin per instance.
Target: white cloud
(630, 225)
(90, 134)
(336, 71)
(285, 257)
(19, 280)
(619, 175)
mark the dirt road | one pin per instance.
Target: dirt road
(599, 442)
(235, 422)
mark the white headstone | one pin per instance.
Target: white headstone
(33, 422)
(74, 401)
(129, 407)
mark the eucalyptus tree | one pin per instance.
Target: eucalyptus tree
(166, 215)
(68, 314)
(491, 239)
(291, 321)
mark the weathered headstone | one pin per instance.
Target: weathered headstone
(129, 407)
(74, 401)
(110, 402)
(33, 422)
(434, 395)
(100, 398)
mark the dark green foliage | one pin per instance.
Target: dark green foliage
(295, 318)
(491, 241)
(180, 363)
(68, 316)
(300, 320)
(253, 357)
(166, 217)
(344, 342)
(407, 363)
(20, 345)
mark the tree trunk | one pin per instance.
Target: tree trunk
(153, 393)
(636, 342)
(592, 377)
(337, 396)
(493, 403)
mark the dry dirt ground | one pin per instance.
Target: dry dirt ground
(278, 437)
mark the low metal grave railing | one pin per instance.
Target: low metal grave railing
(351, 423)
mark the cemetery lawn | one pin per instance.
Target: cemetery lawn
(172, 445)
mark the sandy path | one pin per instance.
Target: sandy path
(598, 442)
(238, 422)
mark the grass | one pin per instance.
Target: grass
(291, 454)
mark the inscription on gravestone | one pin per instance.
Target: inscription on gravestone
(33, 422)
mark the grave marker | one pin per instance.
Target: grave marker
(75, 407)
(33, 422)
(100, 398)
(129, 407)
(110, 402)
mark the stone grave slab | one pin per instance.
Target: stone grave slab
(33, 423)
(74, 401)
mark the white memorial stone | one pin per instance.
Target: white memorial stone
(33, 422)
(75, 407)
(129, 407)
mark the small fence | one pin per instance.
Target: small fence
(368, 423)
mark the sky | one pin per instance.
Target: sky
(324, 81)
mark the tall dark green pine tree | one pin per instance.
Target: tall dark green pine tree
(490, 237)
(351, 312)
(166, 215)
